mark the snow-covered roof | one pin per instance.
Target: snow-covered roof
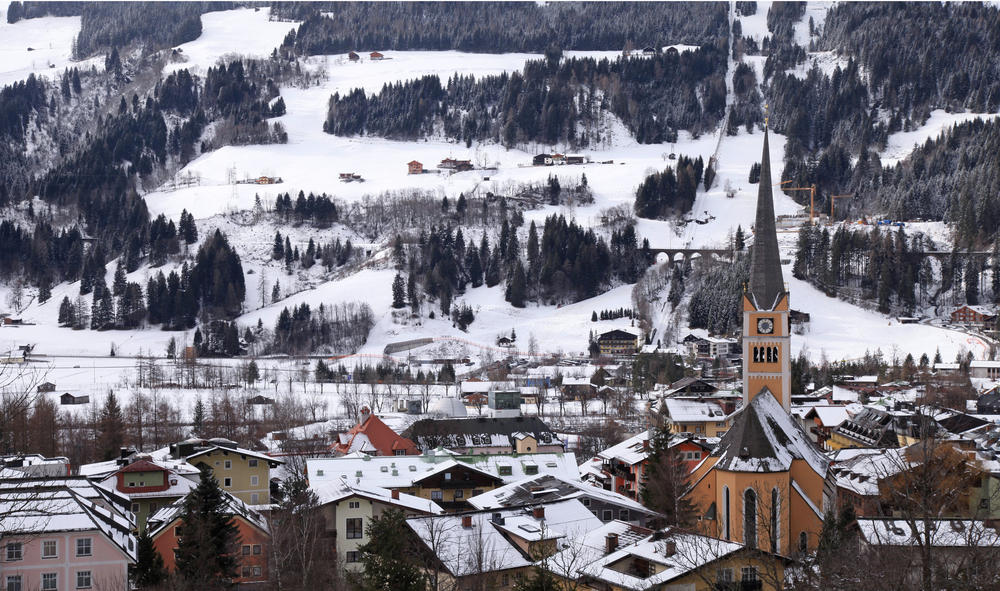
(475, 387)
(574, 381)
(234, 506)
(161, 457)
(544, 488)
(985, 364)
(574, 553)
(486, 545)
(862, 473)
(841, 394)
(693, 411)
(946, 366)
(631, 451)
(53, 510)
(764, 438)
(333, 491)
(830, 416)
(944, 533)
(403, 471)
(690, 552)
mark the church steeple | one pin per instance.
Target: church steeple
(766, 283)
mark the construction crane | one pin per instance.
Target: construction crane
(833, 200)
(812, 196)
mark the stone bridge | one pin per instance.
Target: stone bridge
(684, 255)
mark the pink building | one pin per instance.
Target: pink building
(56, 539)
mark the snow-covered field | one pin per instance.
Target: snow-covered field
(902, 143)
(40, 46)
(247, 32)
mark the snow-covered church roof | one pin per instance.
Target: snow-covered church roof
(764, 438)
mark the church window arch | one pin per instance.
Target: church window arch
(774, 533)
(803, 541)
(750, 518)
(725, 511)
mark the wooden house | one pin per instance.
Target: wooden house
(46, 387)
(978, 315)
(414, 167)
(69, 399)
(353, 56)
(375, 56)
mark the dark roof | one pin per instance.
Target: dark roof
(617, 334)
(476, 426)
(960, 423)
(764, 438)
(766, 283)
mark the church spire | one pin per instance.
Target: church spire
(766, 283)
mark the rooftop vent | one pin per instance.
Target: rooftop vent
(610, 543)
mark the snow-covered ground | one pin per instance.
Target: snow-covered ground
(902, 143)
(40, 46)
(247, 32)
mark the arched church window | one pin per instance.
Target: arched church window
(725, 511)
(750, 518)
(774, 520)
(803, 541)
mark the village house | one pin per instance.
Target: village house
(447, 478)
(452, 165)
(166, 526)
(348, 508)
(68, 399)
(149, 486)
(577, 388)
(45, 387)
(414, 167)
(542, 160)
(711, 347)
(606, 505)
(375, 56)
(496, 548)
(989, 370)
(617, 342)
(486, 435)
(353, 56)
(819, 421)
(35, 465)
(241, 472)
(54, 537)
(988, 402)
(623, 466)
(372, 436)
(623, 557)
(694, 416)
(974, 315)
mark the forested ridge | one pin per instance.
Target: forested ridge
(549, 102)
(498, 27)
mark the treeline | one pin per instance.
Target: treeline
(716, 292)
(17, 11)
(498, 27)
(340, 328)
(667, 193)
(613, 314)
(550, 102)
(332, 254)
(104, 25)
(320, 210)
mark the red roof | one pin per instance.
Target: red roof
(384, 439)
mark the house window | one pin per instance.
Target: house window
(749, 573)
(252, 463)
(229, 465)
(254, 498)
(14, 583)
(354, 529)
(353, 556)
(49, 549)
(50, 581)
(724, 575)
(14, 551)
(505, 580)
(531, 469)
(399, 452)
(504, 470)
(256, 571)
(152, 508)
(586, 502)
(447, 476)
(476, 492)
(436, 495)
(135, 507)
(607, 515)
(623, 515)
(83, 579)
(319, 472)
(246, 549)
(227, 482)
(245, 573)
(83, 547)
(354, 505)
(177, 532)
(256, 549)
(255, 481)
(459, 494)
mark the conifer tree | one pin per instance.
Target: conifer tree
(110, 427)
(411, 293)
(398, 292)
(149, 570)
(206, 551)
(517, 288)
(118, 286)
(386, 556)
(278, 250)
(667, 481)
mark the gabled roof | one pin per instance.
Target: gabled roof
(764, 438)
(693, 411)
(334, 491)
(547, 488)
(163, 518)
(631, 451)
(373, 434)
(143, 466)
(944, 533)
(766, 284)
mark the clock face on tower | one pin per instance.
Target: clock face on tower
(765, 326)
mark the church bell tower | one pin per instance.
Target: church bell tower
(766, 326)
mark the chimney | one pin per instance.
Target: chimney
(365, 413)
(669, 548)
(395, 495)
(538, 512)
(645, 445)
(467, 521)
(610, 543)
(498, 518)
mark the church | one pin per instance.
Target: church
(766, 484)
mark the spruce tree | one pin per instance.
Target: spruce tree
(516, 289)
(278, 250)
(44, 289)
(118, 286)
(66, 312)
(198, 421)
(398, 292)
(386, 556)
(206, 551)
(110, 427)
(411, 293)
(667, 479)
(148, 571)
